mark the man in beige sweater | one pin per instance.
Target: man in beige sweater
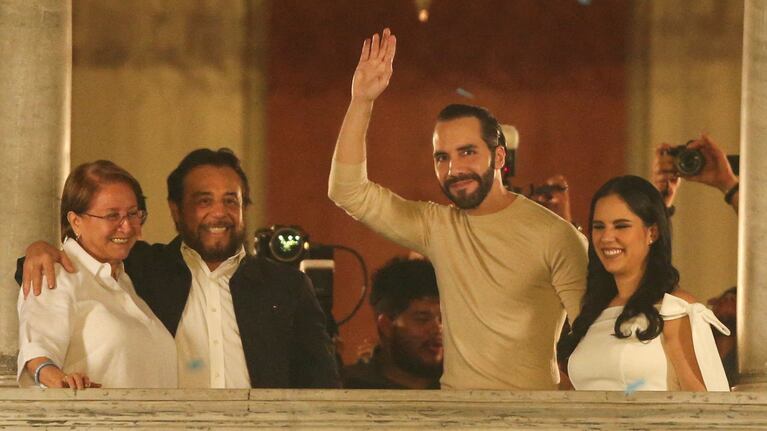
(507, 268)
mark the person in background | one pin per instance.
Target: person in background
(725, 309)
(405, 301)
(94, 328)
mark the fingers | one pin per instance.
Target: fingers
(25, 284)
(390, 47)
(374, 47)
(75, 381)
(50, 276)
(37, 280)
(664, 163)
(365, 50)
(380, 48)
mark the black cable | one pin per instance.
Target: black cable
(364, 283)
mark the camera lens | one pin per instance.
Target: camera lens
(287, 244)
(689, 162)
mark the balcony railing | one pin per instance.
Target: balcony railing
(313, 409)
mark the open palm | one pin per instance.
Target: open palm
(375, 67)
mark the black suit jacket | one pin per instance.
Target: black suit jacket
(281, 324)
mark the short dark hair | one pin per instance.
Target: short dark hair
(223, 157)
(401, 281)
(491, 128)
(84, 182)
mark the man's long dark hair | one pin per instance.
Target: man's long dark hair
(660, 276)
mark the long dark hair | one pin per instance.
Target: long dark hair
(659, 278)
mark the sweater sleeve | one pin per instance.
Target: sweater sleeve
(398, 219)
(568, 260)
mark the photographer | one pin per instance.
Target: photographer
(555, 196)
(716, 171)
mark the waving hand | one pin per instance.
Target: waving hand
(375, 67)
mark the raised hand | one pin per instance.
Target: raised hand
(717, 171)
(375, 66)
(665, 177)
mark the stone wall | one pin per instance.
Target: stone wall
(154, 80)
(339, 409)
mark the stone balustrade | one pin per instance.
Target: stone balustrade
(344, 409)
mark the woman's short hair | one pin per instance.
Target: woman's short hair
(85, 181)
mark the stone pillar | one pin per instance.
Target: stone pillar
(752, 241)
(35, 76)
(684, 67)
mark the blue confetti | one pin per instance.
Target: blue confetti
(464, 93)
(634, 386)
(195, 364)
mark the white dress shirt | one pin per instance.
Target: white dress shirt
(96, 325)
(210, 353)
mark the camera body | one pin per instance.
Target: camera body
(688, 162)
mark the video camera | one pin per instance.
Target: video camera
(290, 245)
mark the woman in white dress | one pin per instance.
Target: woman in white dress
(636, 329)
(93, 327)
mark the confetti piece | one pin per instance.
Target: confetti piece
(634, 386)
(195, 364)
(464, 93)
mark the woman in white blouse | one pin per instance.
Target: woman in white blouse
(93, 329)
(636, 329)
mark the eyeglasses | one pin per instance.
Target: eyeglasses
(134, 217)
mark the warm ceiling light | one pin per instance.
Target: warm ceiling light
(422, 6)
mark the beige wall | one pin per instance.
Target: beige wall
(686, 60)
(154, 80)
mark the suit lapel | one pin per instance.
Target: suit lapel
(173, 296)
(246, 286)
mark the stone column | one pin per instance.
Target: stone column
(752, 241)
(684, 63)
(35, 76)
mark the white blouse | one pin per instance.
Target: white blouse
(96, 325)
(603, 362)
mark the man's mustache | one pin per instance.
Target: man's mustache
(454, 179)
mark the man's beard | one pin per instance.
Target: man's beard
(220, 251)
(472, 200)
(409, 361)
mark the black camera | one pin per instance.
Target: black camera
(688, 162)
